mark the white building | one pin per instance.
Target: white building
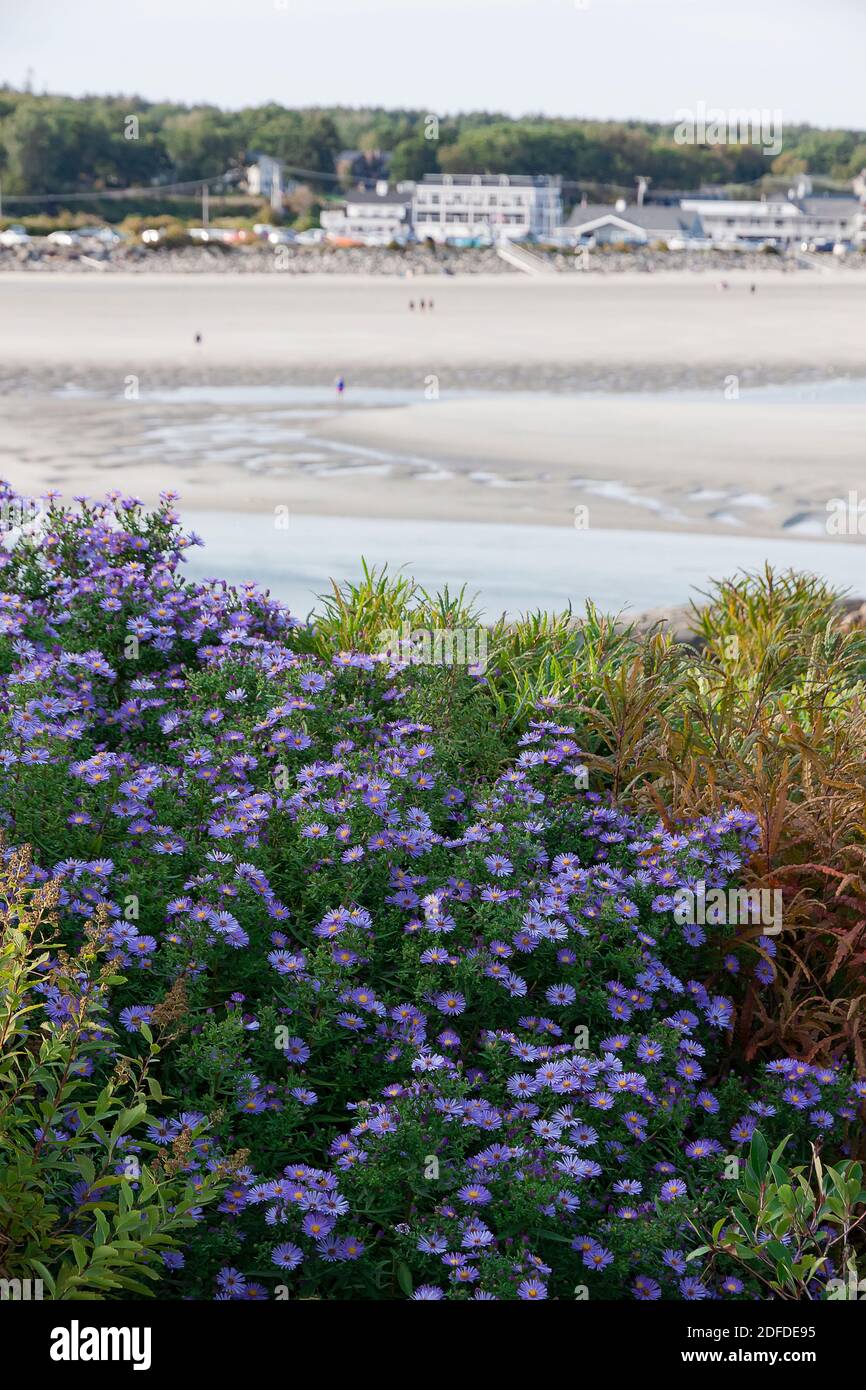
(785, 221)
(265, 178)
(375, 218)
(859, 186)
(492, 207)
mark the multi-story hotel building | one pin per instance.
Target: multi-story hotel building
(495, 206)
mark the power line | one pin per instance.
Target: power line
(195, 186)
(154, 190)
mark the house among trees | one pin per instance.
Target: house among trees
(265, 177)
(359, 165)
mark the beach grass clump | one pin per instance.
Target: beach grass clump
(358, 615)
(395, 976)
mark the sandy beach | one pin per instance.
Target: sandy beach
(514, 400)
(356, 323)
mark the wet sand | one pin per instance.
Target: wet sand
(716, 465)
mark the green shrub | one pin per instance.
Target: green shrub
(790, 1224)
(81, 1208)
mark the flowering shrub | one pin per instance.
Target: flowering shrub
(427, 994)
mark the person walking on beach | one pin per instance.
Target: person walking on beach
(340, 386)
(411, 305)
(422, 305)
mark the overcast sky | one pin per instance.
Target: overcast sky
(595, 58)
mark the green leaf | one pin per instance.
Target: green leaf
(404, 1279)
(758, 1154)
(104, 1254)
(779, 1253)
(127, 1120)
(45, 1275)
(780, 1149)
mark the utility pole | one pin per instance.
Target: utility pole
(1, 200)
(204, 205)
(277, 190)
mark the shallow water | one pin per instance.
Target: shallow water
(268, 429)
(265, 429)
(512, 569)
(839, 390)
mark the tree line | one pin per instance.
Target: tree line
(56, 143)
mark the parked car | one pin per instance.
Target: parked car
(106, 236)
(225, 235)
(64, 238)
(313, 237)
(16, 235)
(690, 243)
(281, 236)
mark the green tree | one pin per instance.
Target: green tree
(414, 158)
(201, 144)
(32, 141)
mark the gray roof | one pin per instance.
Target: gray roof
(368, 196)
(651, 217)
(829, 206)
(590, 213)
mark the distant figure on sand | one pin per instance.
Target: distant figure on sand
(423, 305)
(411, 305)
(198, 337)
(754, 287)
(340, 386)
(430, 305)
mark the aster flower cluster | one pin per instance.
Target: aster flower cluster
(446, 1012)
